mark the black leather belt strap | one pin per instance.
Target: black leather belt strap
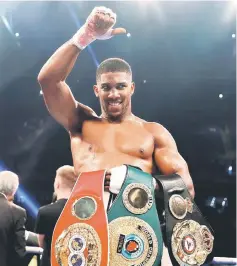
(179, 208)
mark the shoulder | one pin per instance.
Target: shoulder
(18, 213)
(17, 209)
(156, 128)
(46, 209)
(161, 135)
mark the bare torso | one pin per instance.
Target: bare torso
(103, 145)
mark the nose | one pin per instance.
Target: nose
(113, 94)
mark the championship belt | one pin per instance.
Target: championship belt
(189, 237)
(134, 229)
(80, 236)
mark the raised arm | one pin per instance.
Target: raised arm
(57, 94)
(52, 77)
(167, 157)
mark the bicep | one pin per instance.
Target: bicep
(60, 102)
(166, 154)
(169, 161)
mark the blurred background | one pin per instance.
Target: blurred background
(183, 57)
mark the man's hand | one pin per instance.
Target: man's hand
(100, 22)
(108, 177)
(98, 26)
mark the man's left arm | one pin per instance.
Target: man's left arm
(167, 157)
(20, 242)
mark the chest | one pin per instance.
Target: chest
(126, 138)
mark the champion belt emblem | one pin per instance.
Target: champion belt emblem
(76, 241)
(84, 208)
(80, 237)
(191, 243)
(137, 198)
(132, 242)
(179, 206)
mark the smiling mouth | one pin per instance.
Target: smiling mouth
(114, 103)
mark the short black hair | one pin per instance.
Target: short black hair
(113, 65)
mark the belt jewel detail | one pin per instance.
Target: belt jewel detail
(78, 245)
(191, 243)
(137, 198)
(84, 208)
(132, 242)
(178, 206)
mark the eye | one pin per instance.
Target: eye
(121, 86)
(105, 88)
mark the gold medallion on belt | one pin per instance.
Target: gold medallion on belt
(80, 245)
(191, 243)
(132, 242)
(179, 206)
(137, 198)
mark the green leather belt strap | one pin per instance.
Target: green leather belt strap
(134, 227)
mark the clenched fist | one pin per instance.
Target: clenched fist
(98, 26)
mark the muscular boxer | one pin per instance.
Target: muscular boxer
(116, 136)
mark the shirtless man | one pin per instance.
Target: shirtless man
(117, 136)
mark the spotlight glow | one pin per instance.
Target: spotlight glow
(128, 35)
(233, 36)
(221, 95)
(17, 34)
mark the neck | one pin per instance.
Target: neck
(65, 194)
(126, 117)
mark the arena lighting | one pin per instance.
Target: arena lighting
(220, 95)
(7, 24)
(229, 170)
(23, 197)
(233, 36)
(128, 35)
(17, 34)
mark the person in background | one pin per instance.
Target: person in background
(48, 215)
(12, 222)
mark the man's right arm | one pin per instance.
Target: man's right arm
(57, 94)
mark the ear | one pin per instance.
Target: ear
(56, 183)
(96, 90)
(132, 88)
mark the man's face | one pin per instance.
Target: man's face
(114, 91)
